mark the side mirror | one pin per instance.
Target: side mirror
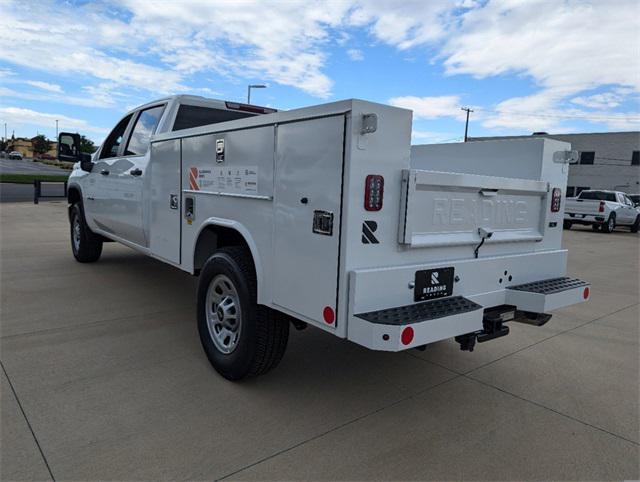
(69, 150)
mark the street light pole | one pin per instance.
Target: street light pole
(56, 129)
(466, 125)
(253, 86)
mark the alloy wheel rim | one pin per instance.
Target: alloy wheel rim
(76, 233)
(223, 314)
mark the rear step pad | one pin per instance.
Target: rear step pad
(427, 310)
(550, 294)
(549, 286)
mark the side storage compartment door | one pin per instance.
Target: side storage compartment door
(308, 185)
(164, 200)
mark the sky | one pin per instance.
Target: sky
(521, 65)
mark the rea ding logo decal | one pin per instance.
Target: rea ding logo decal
(368, 228)
(434, 278)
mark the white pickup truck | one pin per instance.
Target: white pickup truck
(327, 216)
(602, 210)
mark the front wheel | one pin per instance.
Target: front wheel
(610, 225)
(241, 338)
(636, 224)
(566, 224)
(85, 245)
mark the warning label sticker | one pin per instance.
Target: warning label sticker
(236, 180)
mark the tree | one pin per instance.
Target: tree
(40, 144)
(87, 145)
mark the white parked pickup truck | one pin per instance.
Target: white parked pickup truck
(602, 210)
(327, 216)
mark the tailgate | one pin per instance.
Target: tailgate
(449, 209)
(583, 206)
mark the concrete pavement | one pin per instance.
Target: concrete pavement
(104, 378)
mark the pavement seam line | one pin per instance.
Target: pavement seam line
(33, 434)
(81, 325)
(338, 427)
(548, 338)
(540, 405)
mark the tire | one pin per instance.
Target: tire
(636, 225)
(596, 227)
(85, 245)
(610, 225)
(567, 224)
(240, 338)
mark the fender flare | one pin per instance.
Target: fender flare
(246, 235)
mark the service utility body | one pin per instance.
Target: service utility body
(328, 216)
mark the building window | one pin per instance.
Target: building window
(635, 158)
(571, 191)
(587, 157)
(579, 189)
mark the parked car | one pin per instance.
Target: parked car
(326, 216)
(602, 210)
(15, 155)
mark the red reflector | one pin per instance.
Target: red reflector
(407, 335)
(601, 208)
(373, 192)
(556, 197)
(328, 315)
(585, 293)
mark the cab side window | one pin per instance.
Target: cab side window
(112, 143)
(145, 127)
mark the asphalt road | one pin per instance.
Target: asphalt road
(13, 166)
(103, 377)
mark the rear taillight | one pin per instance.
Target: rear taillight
(601, 207)
(556, 198)
(373, 192)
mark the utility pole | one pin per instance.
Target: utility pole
(56, 129)
(466, 125)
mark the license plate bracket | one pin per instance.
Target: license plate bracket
(433, 283)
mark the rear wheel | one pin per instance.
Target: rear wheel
(566, 225)
(610, 225)
(636, 224)
(85, 245)
(241, 338)
(596, 227)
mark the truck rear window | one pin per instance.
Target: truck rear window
(598, 196)
(195, 116)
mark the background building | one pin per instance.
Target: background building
(24, 146)
(608, 160)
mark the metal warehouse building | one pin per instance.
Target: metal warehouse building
(608, 160)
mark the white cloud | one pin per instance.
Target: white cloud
(355, 54)
(45, 86)
(604, 100)
(430, 107)
(20, 116)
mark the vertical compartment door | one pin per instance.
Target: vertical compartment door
(309, 165)
(164, 200)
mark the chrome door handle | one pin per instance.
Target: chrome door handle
(104, 172)
(135, 172)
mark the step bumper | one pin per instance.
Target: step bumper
(550, 294)
(404, 327)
